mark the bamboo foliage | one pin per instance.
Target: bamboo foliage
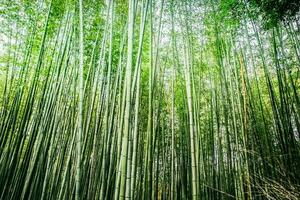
(147, 99)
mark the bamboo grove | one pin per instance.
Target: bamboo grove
(147, 99)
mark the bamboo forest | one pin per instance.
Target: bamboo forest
(149, 99)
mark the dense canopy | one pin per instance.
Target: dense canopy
(149, 99)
